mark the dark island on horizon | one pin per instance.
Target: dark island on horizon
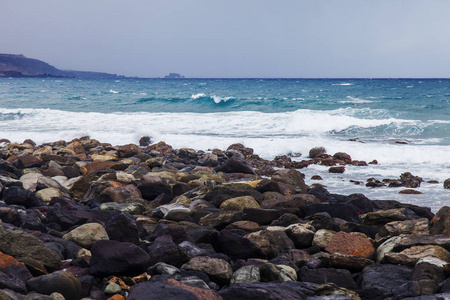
(17, 65)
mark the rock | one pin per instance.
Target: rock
(239, 203)
(128, 150)
(272, 243)
(410, 181)
(102, 166)
(410, 192)
(317, 152)
(247, 226)
(268, 291)
(322, 237)
(385, 216)
(430, 268)
(340, 277)
(121, 226)
(342, 156)
(19, 196)
(270, 272)
(117, 258)
(420, 226)
(163, 249)
(217, 269)
(201, 294)
(261, 216)
(112, 288)
(131, 208)
(119, 194)
(350, 244)
(411, 256)
(62, 282)
(163, 269)
(330, 289)
(292, 177)
(28, 249)
(349, 262)
(340, 169)
(221, 219)
(145, 141)
(233, 165)
(222, 192)
(231, 243)
(441, 221)
(47, 194)
(209, 159)
(151, 187)
(302, 235)
(246, 274)
(386, 278)
(150, 290)
(87, 235)
(316, 177)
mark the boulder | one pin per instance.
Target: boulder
(20, 196)
(385, 216)
(317, 152)
(246, 274)
(239, 203)
(222, 192)
(87, 235)
(340, 277)
(150, 290)
(47, 194)
(441, 221)
(231, 243)
(386, 278)
(152, 186)
(268, 291)
(271, 242)
(121, 226)
(292, 177)
(62, 282)
(120, 194)
(233, 165)
(201, 294)
(163, 249)
(117, 258)
(322, 237)
(349, 262)
(350, 244)
(419, 226)
(302, 235)
(217, 269)
(338, 170)
(128, 150)
(411, 256)
(145, 141)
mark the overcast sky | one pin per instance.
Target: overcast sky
(233, 38)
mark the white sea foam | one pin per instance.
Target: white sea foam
(355, 100)
(343, 84)
(199, 95)
(218, 99)
(113, 92)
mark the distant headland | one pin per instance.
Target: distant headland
(13, 65)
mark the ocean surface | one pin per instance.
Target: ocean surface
(272, 116)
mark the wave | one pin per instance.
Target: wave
(343, 84)
(355, 100)
(113, 92)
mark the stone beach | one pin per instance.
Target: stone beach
(83, 219)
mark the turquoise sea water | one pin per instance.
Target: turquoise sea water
(273, 116)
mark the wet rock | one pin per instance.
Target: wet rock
(217, 269)
(317, 152)
(447, 183)
(410, 192)
(410, 181)
(246, 274)
(350, 244)
(145, 141)
(343, 156)
(62, 282)
(441, 221)
(131, 208)
(340, 169)
(385, 216)
(117, 258)
(233, 165)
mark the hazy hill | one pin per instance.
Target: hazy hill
(12, 65)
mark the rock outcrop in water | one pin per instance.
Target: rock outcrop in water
(84, 219)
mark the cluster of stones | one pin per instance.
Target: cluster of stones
(84, 219)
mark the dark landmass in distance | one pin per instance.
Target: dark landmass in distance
(12, 65)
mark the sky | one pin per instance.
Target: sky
(245, 38)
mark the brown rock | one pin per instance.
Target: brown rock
(316, 177)
(411, 256)
(102, 166)
(350, 244)
(7, 260)
(342, 156)
(129, 150)
(441, 221)
(292, 177)
(201, 294)
(316, 152)
(217, 269)
(410, 192)
(145, 141)
(340, 169)
(247, 226)
(120, 194)
(163, 148)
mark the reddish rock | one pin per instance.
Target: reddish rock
(129, 150)
(27, 161)
(52, 171)
(340, 169)
(374, 162)
(145, 141)
(350, 244)
(241, 148)
(7, 260)
(163, 148)
(201, 294)
(247, 226)
(99, 166)
(316, 177)
(409, 192)
(342, 156)
(120, 194)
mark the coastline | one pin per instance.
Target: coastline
(216, 224)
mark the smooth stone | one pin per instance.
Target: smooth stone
(112, 288)
(47, 194)
(29, 181)
(179, 213)
(302, 235)
(268, 291)
(87, 235)
(239, 203)
(61, 281)
(349, 262)
(217, 269)
(331, 289)
(322, 237)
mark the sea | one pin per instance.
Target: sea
(402, 123)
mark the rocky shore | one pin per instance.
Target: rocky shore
(84, 219)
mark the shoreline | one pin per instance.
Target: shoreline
(92, 220)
